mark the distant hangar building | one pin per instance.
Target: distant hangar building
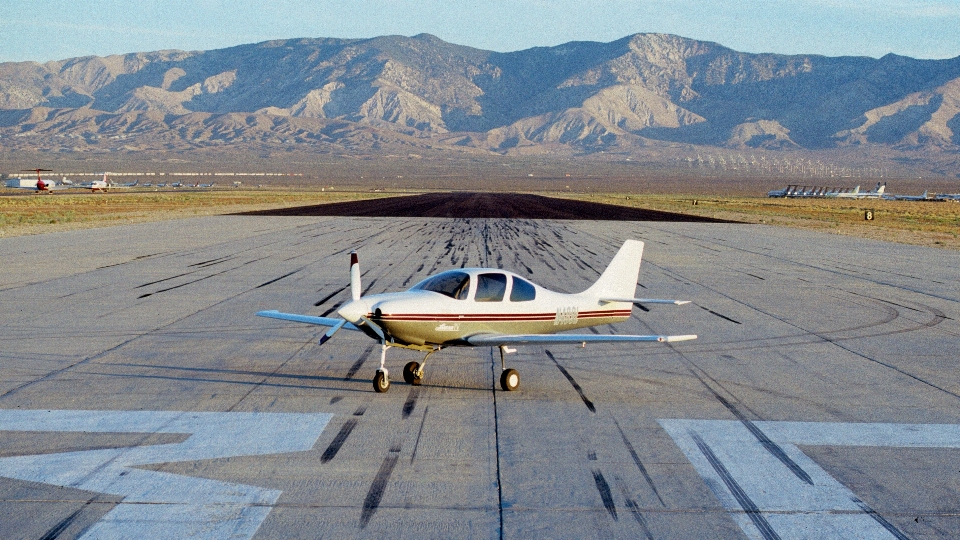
(21, 183)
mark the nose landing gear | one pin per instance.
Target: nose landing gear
(509, 378)
(381, 381)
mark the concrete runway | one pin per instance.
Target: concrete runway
(141, 397)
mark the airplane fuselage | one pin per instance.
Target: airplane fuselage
(513, 305)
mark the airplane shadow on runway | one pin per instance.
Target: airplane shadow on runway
(365, 388)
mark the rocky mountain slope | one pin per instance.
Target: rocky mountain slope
(645, 89)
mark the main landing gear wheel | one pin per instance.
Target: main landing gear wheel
(410, 373)
(381, 383)
(510, 379)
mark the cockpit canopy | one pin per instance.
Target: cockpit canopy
(490, 286)
(455, 284)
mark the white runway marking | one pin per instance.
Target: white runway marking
(768, 500)
(157, 504)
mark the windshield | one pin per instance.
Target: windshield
(454, 284)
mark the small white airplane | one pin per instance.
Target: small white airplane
(925, 197)
(104, 184)
(487, 307)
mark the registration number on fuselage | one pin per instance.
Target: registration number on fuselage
(566, 315)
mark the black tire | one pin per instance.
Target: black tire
(410, 373)
(510, 380)
(381, 383)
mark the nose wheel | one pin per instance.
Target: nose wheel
(510, 379)
(381, 382)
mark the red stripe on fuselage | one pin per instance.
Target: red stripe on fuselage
(499, 317)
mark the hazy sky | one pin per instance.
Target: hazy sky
(56, 29)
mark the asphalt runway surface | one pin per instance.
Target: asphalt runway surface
(141, 397)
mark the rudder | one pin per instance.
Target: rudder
(619, 280)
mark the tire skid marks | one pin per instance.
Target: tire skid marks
(712, 312)
(634, 508)
(211, 262)
(838, 342)
(746, 503)
(135, 259)
(146, 295)
(605, 495)
(359, 363)
(879, 519)
(183, 253)
(496, 439)
(766, 500)
(375, 494)
(322, 258)
(586, 401)
(331, 295)
(416, 445)
(257, 385)
(410, 403)
(274, 280)
(338, 440)
(825, 267)
(131, 339)
(639, 464)
(809, 336)
(765, 441)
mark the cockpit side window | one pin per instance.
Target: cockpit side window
(490, 287)
(523, 291)
(452, 284)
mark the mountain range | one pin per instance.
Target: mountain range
(641, 91)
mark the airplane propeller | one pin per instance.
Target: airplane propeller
(354, 276)
(347, 309)
(333, 330)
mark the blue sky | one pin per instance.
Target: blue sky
(44, 30)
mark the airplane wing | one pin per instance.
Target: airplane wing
(309, 319)
(517, 339)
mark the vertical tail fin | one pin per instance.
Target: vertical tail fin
(619, 280)
(354, 276)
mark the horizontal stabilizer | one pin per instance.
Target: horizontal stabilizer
(517, 339)
(645, 301)
(309, 319)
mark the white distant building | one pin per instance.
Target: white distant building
(21, 183)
